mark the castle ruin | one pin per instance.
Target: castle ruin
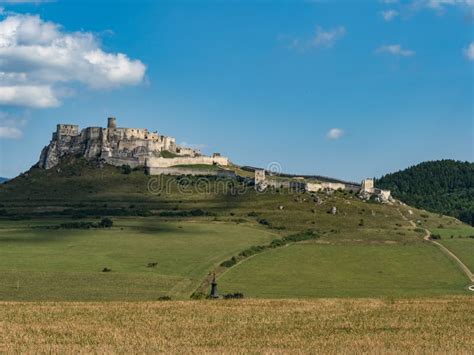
(121, 146)
(366, 190)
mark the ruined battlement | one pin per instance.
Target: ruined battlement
(115, 145)
(67, 130)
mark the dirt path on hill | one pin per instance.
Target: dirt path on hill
(445, 250)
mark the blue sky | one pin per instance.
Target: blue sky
(346, 89)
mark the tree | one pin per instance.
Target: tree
(106, 223)
(126, 169)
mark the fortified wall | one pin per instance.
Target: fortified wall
(120, 146)
(365, 190)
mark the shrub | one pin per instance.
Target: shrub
(126, 169)
(164, 298)
(192, 213)
(251, 251)
(234, 296)
(198, 296)
(229, 263)
(106, 223)
(277, 243)
(435, 236)
(106, 269)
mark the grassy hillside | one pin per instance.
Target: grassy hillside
(37, 263)
(428, 326)
(444, 186)
(346, 270)
(191, 225)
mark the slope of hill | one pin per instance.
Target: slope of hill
(189, 227)
(444, 186)
(2, 180)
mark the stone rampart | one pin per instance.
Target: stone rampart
(169, 162)
(177, 171)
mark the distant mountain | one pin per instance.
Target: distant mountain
(2, 180)
(444, 186)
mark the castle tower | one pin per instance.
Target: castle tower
(259, 176)
(112, 123)
(368, 185)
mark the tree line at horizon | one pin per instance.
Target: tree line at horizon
(443, 186)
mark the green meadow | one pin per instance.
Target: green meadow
(460, 241)
(185, 232)
(42, 264)
(346, 270)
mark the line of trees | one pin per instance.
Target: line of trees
(443, 186)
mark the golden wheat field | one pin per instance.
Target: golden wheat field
(255, 326)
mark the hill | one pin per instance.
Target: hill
(444, 186)
(2, 180)
(189, 227)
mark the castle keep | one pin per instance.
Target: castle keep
(121, 146)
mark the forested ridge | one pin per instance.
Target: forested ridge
(444, 186)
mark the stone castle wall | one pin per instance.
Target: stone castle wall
(177, 171)
(116, 146)
(169, 162)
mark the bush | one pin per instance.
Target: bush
(192, 213)
(234, 296)
(198, 296)
(435, 236)
(251, 251)
(164, 298)
(277, 243)
(126, 169)
(106, 269)
(229, 263)
(106, 223)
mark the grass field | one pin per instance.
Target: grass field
(458, 241)
(346, 270)
(42, 264)
(371, 249)
(438, 325)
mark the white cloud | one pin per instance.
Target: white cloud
(322, 38)
(36, 56)
(439, 5)
(328, 38)
(395, 49)
(469, 51)
(40, 96)
(389, 15)
(10, 132)
(335, 133)
(9, 126)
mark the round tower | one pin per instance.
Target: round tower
(112, 123)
